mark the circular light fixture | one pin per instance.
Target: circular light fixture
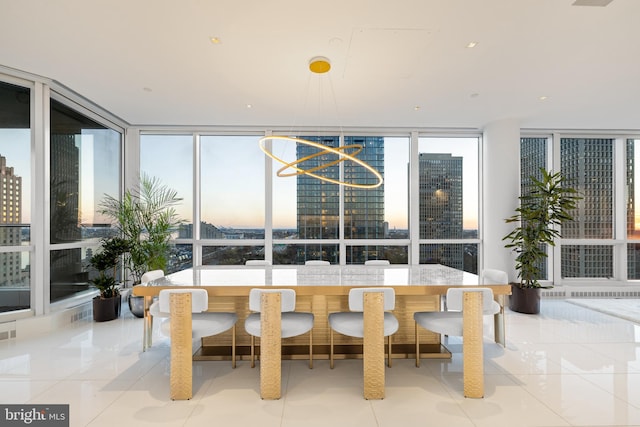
(340, 152)
(319, 65)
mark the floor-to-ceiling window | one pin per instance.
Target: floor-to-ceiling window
(379, 213)
(311, 202)
(633, 210)
(588, 166)
(15, 200)
(232, 199)
(448, 201)
(169, 159)
(85, 164)
(533, 158)
(593, 245)
(306, 210)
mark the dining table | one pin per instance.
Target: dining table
(324, 289)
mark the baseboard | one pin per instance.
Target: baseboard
(33, 326)
(591, 292)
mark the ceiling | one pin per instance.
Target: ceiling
(401, 63)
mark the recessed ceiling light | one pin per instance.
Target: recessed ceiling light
(471, 45)
(215, 40)
(249, 106)
(474, 95)
(542, 98)
(147, 89)
(416, 108)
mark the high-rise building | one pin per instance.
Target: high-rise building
(318, 202)
(10, 224)
(66, 264)
(633, 250)
(587, 165)
(533, 156)
(440, 204)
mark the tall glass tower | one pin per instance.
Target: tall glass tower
(587, 164)
(440, 189)
(318, 202)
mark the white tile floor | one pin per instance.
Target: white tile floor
(568, 366)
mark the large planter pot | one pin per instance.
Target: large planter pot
(106, 309)
(524, 300)
(136, 305)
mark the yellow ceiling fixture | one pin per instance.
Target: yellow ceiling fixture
(320, 65)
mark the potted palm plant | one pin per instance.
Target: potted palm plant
(106, 306)
(145, 217)
(542, 211)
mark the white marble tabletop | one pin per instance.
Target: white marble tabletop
(333, 275)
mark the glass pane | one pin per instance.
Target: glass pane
(587, 261)
(15, 175)
(303, 206)
(360, 254)
(169, 158)
(298, 254)
(633, 215)
(459, 256)
(371, 213)
(70, 272)
(587, 164)
(230, 255)
(15, 279)
(633, 261)
(232, 170)
(448, 182)
(180, 258)
(85, 165)
(15, 164)
(533, 156)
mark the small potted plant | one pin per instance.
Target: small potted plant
(541, 212)
(106, 306)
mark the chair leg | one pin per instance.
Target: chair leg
(253, 349)
(390, 352)
(311, 349)
(331, 348)
(417, 346)
(233, 347)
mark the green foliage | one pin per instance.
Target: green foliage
(145, 217)
(539, 216)
(106, 263)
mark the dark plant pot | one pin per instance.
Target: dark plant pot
(106, 309)
(524, 300)
(136, 305)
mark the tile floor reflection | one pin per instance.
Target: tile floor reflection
(568, 366)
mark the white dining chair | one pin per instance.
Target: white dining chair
(151, 275)
(137, 304)
(316, 262)
(377, 262)
(204, 323)
(351, 323)
(494, 277)
(293, 323)
(450, 322)
(257, 262)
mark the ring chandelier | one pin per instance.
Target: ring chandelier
(340, 152)
(320, 65)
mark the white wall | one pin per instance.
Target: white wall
(501, 188)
